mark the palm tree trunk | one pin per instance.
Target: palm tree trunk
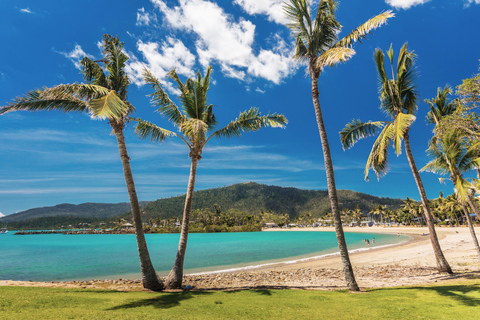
(470, 227)
(175, 277)
(442, 263)
(332, 191)
(150, 279)
(473, 206)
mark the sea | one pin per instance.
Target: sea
(57, 257)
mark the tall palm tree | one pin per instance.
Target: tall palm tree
(104, 96)
(317, 44)
(398, 100)
(453, 156)
(197, 125)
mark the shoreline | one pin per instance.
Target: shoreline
(406, 263)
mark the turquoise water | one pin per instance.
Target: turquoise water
(77, 257)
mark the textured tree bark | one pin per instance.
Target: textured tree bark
(175, 277)
(442, 263)
(332, 191)
(150, 279)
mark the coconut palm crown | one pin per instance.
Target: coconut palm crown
(317, 44)
(398, 100)
(103, 96)
(196, 123)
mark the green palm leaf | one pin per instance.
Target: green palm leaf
(361, 31)
(357, 130)
(250, 120)
(146, 129)
(402, 124)
(109, 106)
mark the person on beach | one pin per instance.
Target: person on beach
(368, 242)
(373, 240)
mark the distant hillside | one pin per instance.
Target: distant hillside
(252, 197)
(84, 210)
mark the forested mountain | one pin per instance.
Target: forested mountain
(84, 210)
(252, 197)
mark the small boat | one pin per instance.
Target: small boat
(4, 229)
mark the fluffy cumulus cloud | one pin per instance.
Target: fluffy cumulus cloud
(405, 4)
(224, 40)
(272, 8)
(76, 55)
(160, 59)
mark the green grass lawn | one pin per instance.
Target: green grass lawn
(460, 300)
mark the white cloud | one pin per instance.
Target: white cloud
(76, 55)
(469, 2)
(145, 18)
(228, 42)
(272, 8)
(160, 60)
(260, 90)
(406, 4)
(26, 10)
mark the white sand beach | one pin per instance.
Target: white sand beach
(409, 263)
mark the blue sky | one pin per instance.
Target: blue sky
(50, 158)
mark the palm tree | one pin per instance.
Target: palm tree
(317, 44)
(399, 101)
(197, 125)
(104, 96)
(453, 156)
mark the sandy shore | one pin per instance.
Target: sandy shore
(409, 263)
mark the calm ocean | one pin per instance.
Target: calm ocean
(77, 257)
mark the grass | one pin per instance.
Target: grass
(459, 300)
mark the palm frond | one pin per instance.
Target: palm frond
(334, 56)
(356, 130)
(145, 130)
(161, 99)
(250, 120)
(195, 130)
(401, 125)
(377, 159)
(65, 98)
(361, 31)
(109, 106)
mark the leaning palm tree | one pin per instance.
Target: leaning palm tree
(398, 100)
(103, 96)
(197, 125)
(453, 156)
(317, 44)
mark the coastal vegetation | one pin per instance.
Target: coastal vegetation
(316, 36)
(453, 300)
(398, 100)
(103, 96)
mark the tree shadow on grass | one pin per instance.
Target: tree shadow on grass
(458, 293)
(163, 301)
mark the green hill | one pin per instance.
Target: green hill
(84, 210)
(252, 197)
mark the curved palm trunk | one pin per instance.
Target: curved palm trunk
(150, 279)
(473, 206)
(332, 191)
(175, 277)
(442, 263)
(470, 227)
